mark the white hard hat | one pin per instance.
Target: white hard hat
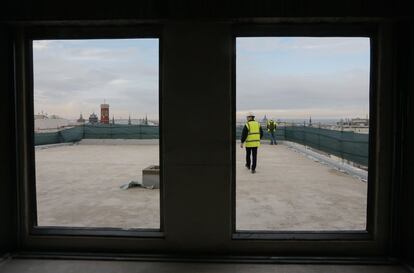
(250, 114)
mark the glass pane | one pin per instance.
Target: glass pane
(96, 133)
(310, 97)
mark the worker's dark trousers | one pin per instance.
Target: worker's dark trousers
(253, 152)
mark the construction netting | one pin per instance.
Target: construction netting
(68, 135)
(100, 131)
(279, 133)
(109, 131)
(344, 144)
(347, 145)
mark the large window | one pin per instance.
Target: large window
(128, 139)
(308, 98)
(96, 133)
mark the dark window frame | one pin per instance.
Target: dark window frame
(298, 30)
(262, 245)
(25, 127)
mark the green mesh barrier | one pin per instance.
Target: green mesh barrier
(71, 135)
(279, 133)
(108, 131)
(99, 131)
(46, 138)
(347, 145)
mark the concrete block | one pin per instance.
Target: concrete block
(151, 177)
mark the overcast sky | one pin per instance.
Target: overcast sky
(76, 76)
(300, 77)
(285, 77)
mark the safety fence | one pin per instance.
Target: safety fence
(279, 133)
(344, 144)
(347, 145)
(99, 131)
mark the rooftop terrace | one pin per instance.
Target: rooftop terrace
(79, 186)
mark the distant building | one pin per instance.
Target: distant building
(81, 119)
(264, 121)
(355, 122)
(356, 125)
(105, 113)
(362, 122)
(40, 116)
(93, 118)
(144, 121)
(50, 124)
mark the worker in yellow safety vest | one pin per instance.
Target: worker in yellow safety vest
(251, 135)
(271, 128)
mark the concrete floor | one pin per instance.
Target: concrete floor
(78, 186)
(289, 191)
(62, 266)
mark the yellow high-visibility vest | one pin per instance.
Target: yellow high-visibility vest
(253, 136)
(271, 126)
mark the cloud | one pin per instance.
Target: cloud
(71, 77)
(294, 91)
(299, 77)
(334, 45)
(289, 77)
(41, 44)
(305, 113)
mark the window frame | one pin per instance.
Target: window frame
(171, 240)
(299, 30)
(30, 232)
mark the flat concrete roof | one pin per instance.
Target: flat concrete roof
(79, 186)
(290, 191)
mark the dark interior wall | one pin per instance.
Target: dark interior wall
(407, 86)
(200, 10)
(197, 65)
(6, 154)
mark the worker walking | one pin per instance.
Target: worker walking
(251, 135)
(271, 128)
